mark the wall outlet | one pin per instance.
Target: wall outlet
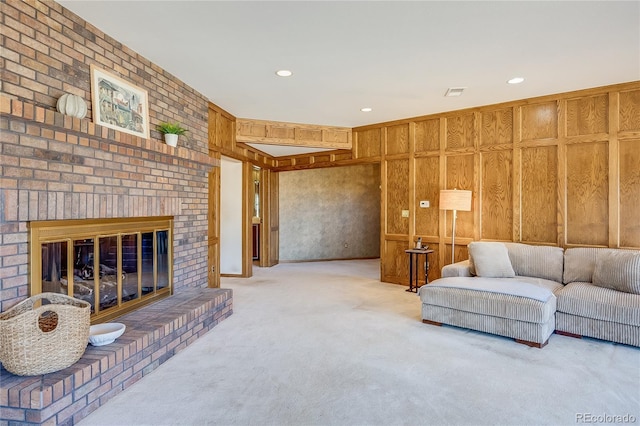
(405, 213)
(424, 204)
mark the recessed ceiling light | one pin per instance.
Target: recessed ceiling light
(454, 91)
(516, 80)
(284, 73)
(366, 109)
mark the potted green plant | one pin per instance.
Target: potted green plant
(171, 131)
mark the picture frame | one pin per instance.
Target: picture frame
(118, 104)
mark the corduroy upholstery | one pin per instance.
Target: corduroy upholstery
(579, 307)
(596, 311)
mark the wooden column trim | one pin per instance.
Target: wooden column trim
(477, 177)
(517, 174)
(413, 210)
(443, 183)
(561, 237)
(614, 169)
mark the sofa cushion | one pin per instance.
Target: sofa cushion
(552, 286)
(590, 301)
(618, 270)
(580, 262)
(509, 287)
(536, 261)
(490, 260)
(445, 292)
(458, 269)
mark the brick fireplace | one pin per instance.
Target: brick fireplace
(58, 168)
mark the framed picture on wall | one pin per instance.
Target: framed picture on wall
(118, 104)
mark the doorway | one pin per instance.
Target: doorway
(231, 216)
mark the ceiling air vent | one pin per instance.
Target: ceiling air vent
(454, 91)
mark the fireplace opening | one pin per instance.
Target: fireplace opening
(116, 265)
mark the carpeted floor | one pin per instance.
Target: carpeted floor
(326, 343)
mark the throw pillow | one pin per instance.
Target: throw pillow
(536, 261)
(491, 260)
(619, 270)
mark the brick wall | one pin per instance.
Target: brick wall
(57, 167)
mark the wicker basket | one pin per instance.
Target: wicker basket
(45, 339)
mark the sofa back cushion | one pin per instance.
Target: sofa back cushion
(490, 259)
(580, 263)
(618, 270)
(537, 261)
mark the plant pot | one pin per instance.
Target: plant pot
(171, 139)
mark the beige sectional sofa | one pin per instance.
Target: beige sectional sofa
(527, 292)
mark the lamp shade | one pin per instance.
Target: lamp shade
(454, 199)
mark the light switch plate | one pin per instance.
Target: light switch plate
(405, 213)
(424, 204)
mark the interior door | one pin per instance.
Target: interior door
(270, 241)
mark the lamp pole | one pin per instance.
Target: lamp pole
(453, 236)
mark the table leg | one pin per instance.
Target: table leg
(426, 269)
(410, 272)
(416, 284)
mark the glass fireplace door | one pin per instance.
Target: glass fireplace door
(113, 271)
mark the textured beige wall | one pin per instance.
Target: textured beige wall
(331, 213)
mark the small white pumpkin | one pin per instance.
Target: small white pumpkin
(70, 104)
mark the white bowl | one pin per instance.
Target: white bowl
(103, 334)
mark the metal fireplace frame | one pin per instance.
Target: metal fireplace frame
(44, 233)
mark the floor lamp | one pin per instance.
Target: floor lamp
(453, 199)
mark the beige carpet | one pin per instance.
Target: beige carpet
(327, 343)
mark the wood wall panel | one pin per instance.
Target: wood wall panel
(497, 195)
(497, 127)
(311, 135)
(630, 192)
(460, 253)
(397, 182)
(427, 135)
(226, 132)
(395, 262)
(252, 129)
(368, 143)
(427, 172)
(539, 208)
(460, 132)
(460, 175)
(273, 227)
(293, 134)
(281, 132)
(588, 194)
(588, 115)
(434, 262)
(630, 110)
(397, 139)
(539, 121)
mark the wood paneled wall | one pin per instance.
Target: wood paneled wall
(222, 140)
(560, 170)
(292, 134)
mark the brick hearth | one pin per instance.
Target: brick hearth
(154, 334)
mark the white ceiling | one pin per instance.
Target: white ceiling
(396, 57)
